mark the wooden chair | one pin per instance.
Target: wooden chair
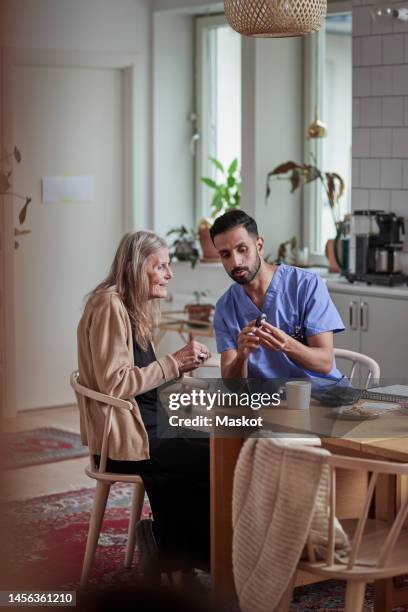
(378, 548)
(358, 359)
(105, 479)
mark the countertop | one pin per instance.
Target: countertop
(337, 283)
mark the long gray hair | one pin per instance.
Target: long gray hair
(129, 278)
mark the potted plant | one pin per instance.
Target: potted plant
(333, 185)
(5, 184)
(283, 256)
(227, 195)
(184, 246)
(199, 313)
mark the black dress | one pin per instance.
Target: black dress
(177, 482)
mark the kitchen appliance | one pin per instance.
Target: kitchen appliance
(375, 247)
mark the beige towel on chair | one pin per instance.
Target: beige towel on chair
(274, 494)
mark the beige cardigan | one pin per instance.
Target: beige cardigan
(280, 495)
(106, 364)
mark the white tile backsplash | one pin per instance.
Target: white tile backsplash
(381, 26)
(370, 112)
(355, 173)
(379, 199)
(400, 142)
(361, 142)
(391, 174)
(381, 80)
(393, 49)
(400, 80)
(370, 173)
(399, 26)
(356, 112)
(371, 50)
(380, 112)
(399, 203)
(393, 111)
(360, 198)
(356, 51)
(361, 21)
(361, 82)
(380, 142)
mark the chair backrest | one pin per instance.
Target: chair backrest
(375, 469)
(81, 393)
(359, 359)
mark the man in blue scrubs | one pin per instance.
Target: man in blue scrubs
(296, 340)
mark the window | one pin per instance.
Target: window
(328, 89)
(218, 102)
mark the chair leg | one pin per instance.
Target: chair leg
(98, 510)
(285, 600)
(175, 579)
(135, 514)
(355, 592)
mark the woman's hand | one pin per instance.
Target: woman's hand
(191, 356)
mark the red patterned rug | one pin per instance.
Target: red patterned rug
(44, 541)
(47, 538)
(42, 445)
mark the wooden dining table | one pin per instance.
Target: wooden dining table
(384, 438)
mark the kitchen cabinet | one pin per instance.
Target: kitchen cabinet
(378, 327)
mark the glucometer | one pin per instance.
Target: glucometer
(260, 320)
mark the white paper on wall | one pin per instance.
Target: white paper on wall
(57, 189)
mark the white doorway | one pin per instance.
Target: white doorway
(70, 118)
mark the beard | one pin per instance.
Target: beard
(249, 275)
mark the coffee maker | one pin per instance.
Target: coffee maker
(375, 248)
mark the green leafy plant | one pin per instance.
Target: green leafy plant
(303, 174)
(184, 245)
(200, 294)
(5, 185)
(227, 193)
(283, 255)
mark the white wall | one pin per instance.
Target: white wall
(97, 25)
(173, 81)
(188, 6)
(72, 244)
(120, 26)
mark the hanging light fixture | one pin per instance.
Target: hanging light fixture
(275, 18)
(317, 128)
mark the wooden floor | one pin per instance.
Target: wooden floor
(24, 483)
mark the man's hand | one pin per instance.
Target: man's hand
(272, 338)
(317, 355)
(247, 341)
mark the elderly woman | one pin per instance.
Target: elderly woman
(116, 357)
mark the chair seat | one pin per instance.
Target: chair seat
(112, 476)
(365, 569)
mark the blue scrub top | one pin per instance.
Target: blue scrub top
(296, 302)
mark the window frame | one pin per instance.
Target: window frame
(312, 197)
(204, 149)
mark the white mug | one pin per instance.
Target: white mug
(298, 394)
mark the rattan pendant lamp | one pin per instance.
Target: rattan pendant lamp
(275, 18)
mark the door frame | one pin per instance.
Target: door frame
(135, 174)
